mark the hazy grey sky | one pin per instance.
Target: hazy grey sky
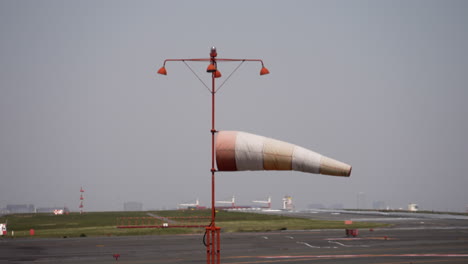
(380, 85)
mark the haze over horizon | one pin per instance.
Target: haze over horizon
(380, 85)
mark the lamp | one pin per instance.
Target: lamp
(264, 70)
(217, 74)
(211, 67)
(162, 71)
(213, 52)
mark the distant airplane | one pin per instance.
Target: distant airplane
(195, 205)
(268, 202)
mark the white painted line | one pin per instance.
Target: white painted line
(304, 243)
(343, 245)
(366, 256)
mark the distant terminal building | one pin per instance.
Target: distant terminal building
(20, 208)
(133, 206)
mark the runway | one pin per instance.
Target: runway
(410, 240)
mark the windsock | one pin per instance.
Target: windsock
(239, 151)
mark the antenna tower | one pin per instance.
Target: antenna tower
(81, 200)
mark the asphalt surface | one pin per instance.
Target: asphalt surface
(411, 239)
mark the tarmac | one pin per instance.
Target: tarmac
(411, 238)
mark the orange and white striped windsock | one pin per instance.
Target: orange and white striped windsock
(239, 151)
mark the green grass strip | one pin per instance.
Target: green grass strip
(105, 223)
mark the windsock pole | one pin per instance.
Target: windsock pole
(212, 249)
(212, 234)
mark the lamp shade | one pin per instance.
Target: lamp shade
(264, 71)
(162, 71)
(211, 68)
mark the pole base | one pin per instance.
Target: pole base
(213, 250)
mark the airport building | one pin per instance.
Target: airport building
(20, 208)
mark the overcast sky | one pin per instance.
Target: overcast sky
(380, 85)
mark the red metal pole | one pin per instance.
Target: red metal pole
(215, 252)
(213, 131)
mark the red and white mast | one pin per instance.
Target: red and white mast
(81, 199)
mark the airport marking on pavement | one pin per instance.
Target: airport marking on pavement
(309, 245)
(304, 243)
(365, 256)
(343, 245)
(360, 238)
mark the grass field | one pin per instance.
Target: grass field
(105, 223)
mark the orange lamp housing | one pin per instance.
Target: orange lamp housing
(213, 52)
(264, 71)
(162, 71)
(211, 68)
(217, 74)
